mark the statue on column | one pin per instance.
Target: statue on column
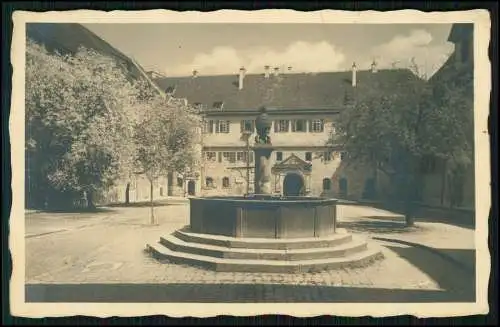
(263, 150)
(263, 126)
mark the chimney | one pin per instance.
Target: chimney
(242, 76)
(195, 73)
(266, 71)
(354, 69)
(276, 71)
(374, 66)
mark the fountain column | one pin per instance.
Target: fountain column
(262, 154)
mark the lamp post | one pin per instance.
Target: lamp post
(247, 135)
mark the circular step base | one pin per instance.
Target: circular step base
(221, 253)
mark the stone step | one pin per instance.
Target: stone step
(360, 259)
(176, 244)
(340, 237)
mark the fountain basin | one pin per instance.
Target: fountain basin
(263, 216)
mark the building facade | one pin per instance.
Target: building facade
(303, 108)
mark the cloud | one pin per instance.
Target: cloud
(321, 56)
(417, 44)
(302, 56)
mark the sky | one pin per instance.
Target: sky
(213, 49)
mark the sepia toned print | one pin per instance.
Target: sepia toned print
(248, 163)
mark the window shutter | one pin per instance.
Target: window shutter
(228, 126)
(211, 126)
(294, 125)
(276, 123)
(310, 125)
(242, 126)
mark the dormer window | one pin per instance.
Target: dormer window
(170, 90)
(218, 105)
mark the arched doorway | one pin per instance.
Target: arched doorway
(293, 185)
(191, 187)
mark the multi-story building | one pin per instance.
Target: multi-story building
(303, 108)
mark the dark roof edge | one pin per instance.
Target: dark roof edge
(270, 112)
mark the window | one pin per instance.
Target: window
(218, 105)
(241, 156)
(279, 156)
(208, 126)
(299, 125)
(327, 155)
(229, 156)
(327, 184)
(317, 126)
(308, 156)
(211, 156)
(180, 182)
(281, 126)
(197, 106)
(225, 182)
(209, 182)
(222, 126)
(247, 126)
(343, 155)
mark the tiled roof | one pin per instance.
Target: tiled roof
(286, 91)
(66, 38)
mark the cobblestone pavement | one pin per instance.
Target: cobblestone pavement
(108, 248)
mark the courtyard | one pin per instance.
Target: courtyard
(100, 257)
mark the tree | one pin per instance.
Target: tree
(397, 130)
(382, 130)
(79, 123)
(450, 127)
(166, 139)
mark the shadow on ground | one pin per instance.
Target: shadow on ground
(456, 217)
(232, 293)
(463, 258)
(379, 225)
(453, 216)
(71, 210)
(141, 204)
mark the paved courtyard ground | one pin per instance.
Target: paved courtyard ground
(99, 257)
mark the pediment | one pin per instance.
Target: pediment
(291, 163)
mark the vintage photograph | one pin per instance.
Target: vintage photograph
(254, 162)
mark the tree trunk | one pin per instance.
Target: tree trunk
(170, 181)
(410, 197)
(127, 194)
(90, 201)
(152, 203)
(443, 183)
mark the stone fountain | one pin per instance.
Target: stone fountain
(263, 232)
